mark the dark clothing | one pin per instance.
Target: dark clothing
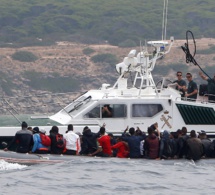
(151, 146)
(191, 87)
(211, 89)
(133, 144)
(166, 146)
(54, 148)
(206, 146)
(89, 142)
(175, 147)
(181, 83)
(105, 114)
(195, 148)
(41, 151)
(182, 146)
(24, 140)
(70, 152)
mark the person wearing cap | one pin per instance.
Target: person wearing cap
(206, 143)
(194, 147)
(23, 138)
(38, 147)
(210, 86)
(73, 144)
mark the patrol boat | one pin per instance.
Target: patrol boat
(139, 103)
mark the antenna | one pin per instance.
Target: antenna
(164, 23)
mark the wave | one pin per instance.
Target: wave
(10, 166)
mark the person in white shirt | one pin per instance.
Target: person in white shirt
(73, 144)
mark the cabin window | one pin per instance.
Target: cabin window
(94, 113)
(146, 110)
(108, 111)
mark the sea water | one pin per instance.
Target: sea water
(91, 175)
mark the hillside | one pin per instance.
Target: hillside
(63, 68)
(24, 22)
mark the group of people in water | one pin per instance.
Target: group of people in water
(133, 143)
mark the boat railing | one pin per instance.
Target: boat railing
(200, 99)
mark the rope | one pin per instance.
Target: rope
(190, 57)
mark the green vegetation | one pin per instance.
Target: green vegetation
(88, 51)
(108, 58)
(6, 84)
(128, 43)
(24, 56)
(210, 50)
(164, 70)
(53, 83)
(43, 22)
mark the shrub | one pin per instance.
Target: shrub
(108, 58)
(88, 51)
(24, 56)
(128, 43)
(53, 83)
(210, 50)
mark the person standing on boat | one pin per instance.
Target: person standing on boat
(192, 89)
(23, 139)
(210, 87)
(181, 84)
(73, 144)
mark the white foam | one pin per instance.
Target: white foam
(10, 166)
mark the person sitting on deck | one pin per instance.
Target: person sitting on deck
(23, 138)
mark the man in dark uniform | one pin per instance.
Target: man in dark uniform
(210, 87)
(23, 139)
(192, 88)
(181, 84)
